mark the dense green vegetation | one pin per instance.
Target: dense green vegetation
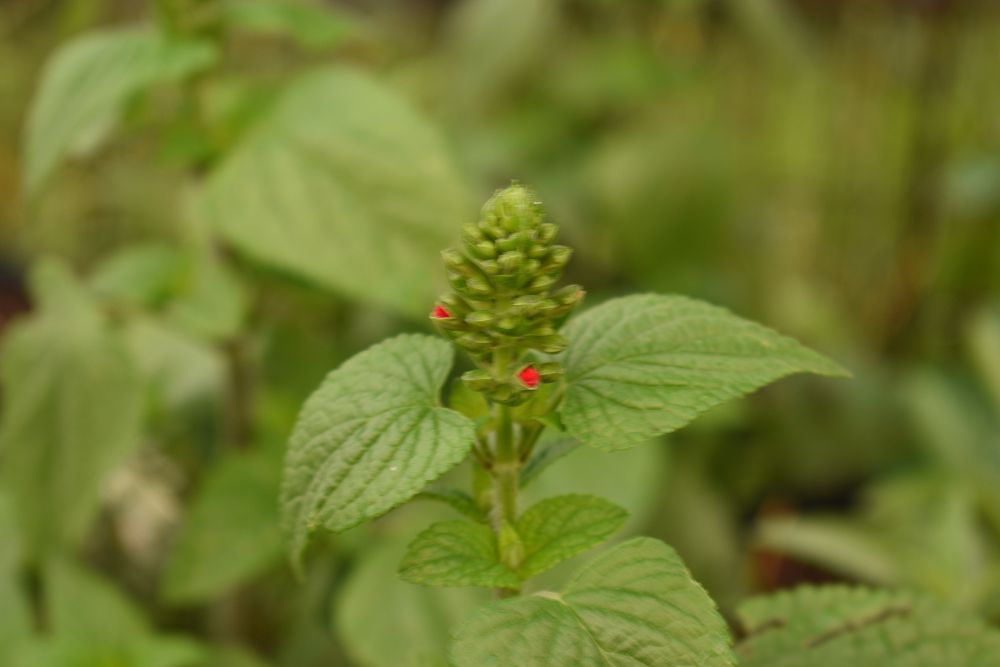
(207, 206)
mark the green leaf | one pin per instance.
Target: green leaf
(179, 370)
(633, 605)
(81, 604)
(841, 545)
(310, 26)
(383, 621)
(86, 84)
(371, 437)
(144, 275)
(15, 618)
(93, 624)
(645, 365)
(983, 335)
(359, 198)
(456, 553)
(232, 532)
(458, 500)
(833, 626)
(559, 528)
(71, 414)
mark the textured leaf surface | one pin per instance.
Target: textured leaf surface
(633, 606)
(71, 413)
(371, 437)
(86, 83)
(835, 626)
(559, 528)
(359, 197)
(645, 365)
(384, 621)
(456, 553)
(233, 531)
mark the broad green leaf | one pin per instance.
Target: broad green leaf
(81, 604)
(344, 183)
(179, 370)
(71, 414)
(371, 437)
(456, 553)
(141, 275)
(311, 26)
(834, 626)
(634, 605)
(232, 532)
(92, 623)
(383, 621)
(645, 365)
(559, 528)
(86, 84)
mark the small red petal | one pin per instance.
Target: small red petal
(529, 377)
(439, 313)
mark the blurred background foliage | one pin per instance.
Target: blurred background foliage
(205, 205)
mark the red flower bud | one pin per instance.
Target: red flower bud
(529, 377)
(440, 313)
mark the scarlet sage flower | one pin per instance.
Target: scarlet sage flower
(529, 377)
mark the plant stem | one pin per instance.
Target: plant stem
(505, 469)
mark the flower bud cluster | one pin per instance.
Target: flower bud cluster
(503, 301)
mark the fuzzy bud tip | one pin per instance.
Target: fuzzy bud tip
(529, 377)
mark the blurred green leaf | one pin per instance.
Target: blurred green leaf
(359, 197)
(145, 275)
(309, 25)
(86, 83)
(213, 303)
(839, 544)
(179, 369)
(385, 622)
(232, 531)
(645, 365)
(72, 410)
(517, 32)
(984, 341)
(15, 619)
(93, 625)
(836, 626)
